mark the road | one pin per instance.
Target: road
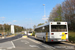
(30, 43)
(57, 45)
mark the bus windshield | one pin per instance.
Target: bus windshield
(58, 28)
(29, 32)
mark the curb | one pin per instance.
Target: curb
(7, 37)
(68, 43)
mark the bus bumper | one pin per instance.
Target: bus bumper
(57, 40)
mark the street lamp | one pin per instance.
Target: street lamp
(44, 10)
(45, 18)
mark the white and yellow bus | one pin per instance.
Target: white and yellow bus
(52, 32)
(30, 33)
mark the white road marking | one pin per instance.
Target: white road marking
(42, 44)
(13, 44)
(2, 49)
(17, 39)
(65, 47)
(26, 42)
(35, 41)
(34, 46)
(70, 47)
(46, 46)
(9, 47)
(6, 45)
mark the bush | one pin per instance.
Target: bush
(74, 39)
(33, 33)
(70, 38)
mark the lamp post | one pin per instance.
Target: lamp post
(44, 10)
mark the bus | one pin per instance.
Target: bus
(30, 33)
(52, 32)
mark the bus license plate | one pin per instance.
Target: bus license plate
(59, 40)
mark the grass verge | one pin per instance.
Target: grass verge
(72, 36)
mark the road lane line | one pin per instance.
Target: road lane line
(35, 41)
(9, 47)
(26, 42)
(34, 46)
(17, 39)
(2, 49)
(13, 44)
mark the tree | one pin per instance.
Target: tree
(59, 12)
(64, 12)
(34, 26)
(56, 14)
(68, 8)
(40, 24)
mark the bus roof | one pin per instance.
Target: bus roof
(42, 25)
(47, 24)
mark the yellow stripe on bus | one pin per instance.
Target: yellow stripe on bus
(46, 37)
(31, 34)
(63, 36)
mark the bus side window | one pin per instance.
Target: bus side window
(46, 29)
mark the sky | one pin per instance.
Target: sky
(26, 13)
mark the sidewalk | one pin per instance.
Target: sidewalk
(69, 43)
(7, 36)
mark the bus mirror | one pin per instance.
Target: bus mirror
(43, 28)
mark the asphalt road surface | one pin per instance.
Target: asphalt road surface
(30, 43)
